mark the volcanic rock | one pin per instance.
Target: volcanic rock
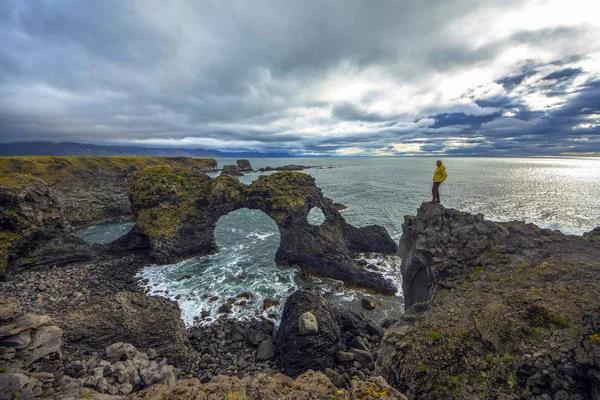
(500, 301)
(244, 165)
(176, 213)
(298, 353)
(231, 170)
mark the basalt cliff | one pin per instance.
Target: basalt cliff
(494, 310)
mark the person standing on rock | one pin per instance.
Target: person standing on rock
(439, 176)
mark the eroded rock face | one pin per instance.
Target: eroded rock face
(232, 170)
(145, 322)
(33, 228)
(30, 352)
(494, 310)
(177, 211)
(244, 165)
(91, 189)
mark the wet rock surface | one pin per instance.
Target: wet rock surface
(494, 310)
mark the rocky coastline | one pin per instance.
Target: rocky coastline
(493, 310)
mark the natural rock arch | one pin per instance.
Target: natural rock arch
(177, 210)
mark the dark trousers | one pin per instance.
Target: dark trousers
(435, 191)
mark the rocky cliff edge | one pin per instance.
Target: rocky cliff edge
(494, 310)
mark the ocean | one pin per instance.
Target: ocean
(555, 193)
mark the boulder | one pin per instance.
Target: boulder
(9, 308)
(255, 337)
(364, 357)
(368, 302)
(344, 356)
(265, 351)
(298, 353)
(375, 329)
(307, 324)
(231, 170)
(244, 165)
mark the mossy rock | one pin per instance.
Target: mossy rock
(163, 197)
(57, 169)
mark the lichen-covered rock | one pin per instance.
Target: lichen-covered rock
(177, 211)
(494, 310)
(310, 385)
(593, 235)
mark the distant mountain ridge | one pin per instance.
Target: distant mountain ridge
(83, 149)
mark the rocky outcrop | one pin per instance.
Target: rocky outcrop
(145, 322)
(300, 348)
(244, 165)
(91, 189)
(494, 310)
(177, 211)
(33, 227)
(593, 235)
(30, 352)
(231, 170)
(261, 386)
(290, 167)
(120, 370)
(313, 335)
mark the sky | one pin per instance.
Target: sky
(314, 77)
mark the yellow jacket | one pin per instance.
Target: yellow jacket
(440, 174)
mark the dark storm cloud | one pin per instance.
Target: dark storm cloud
(462, 119)
(566, 73)
(350, 112)
(279, 75)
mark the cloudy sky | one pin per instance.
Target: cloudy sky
(337, 77)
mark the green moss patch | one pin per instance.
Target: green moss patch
(53, 170)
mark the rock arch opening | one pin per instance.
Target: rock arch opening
(316, 216)
(105, 232)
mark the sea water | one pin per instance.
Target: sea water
(555, 193)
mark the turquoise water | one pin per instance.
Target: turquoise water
(105, 232)
(556, 193)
